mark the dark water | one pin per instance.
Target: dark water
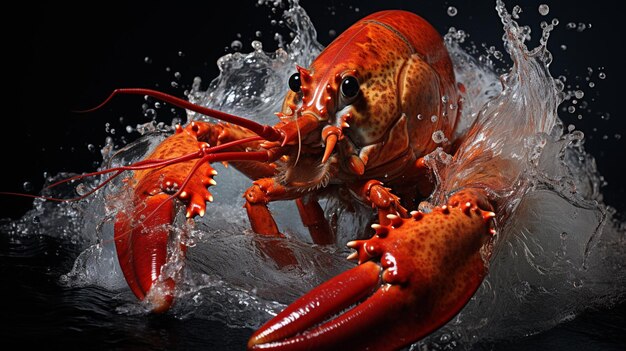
(63, 71)
(39, 312)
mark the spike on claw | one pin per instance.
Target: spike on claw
(488, 215)
(396, 221)
(428, 272)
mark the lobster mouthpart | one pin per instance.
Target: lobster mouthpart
(430, 265)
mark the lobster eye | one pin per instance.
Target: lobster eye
(350, 87)
(294, 82)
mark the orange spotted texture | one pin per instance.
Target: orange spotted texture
(432, 265)
(403, 69)
(169, 179)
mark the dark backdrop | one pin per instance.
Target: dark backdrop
(64, 57)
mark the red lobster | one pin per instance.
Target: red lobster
(349, 121)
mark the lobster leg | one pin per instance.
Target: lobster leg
(266, 190)
(262, 222)
(414, 275)
(313, 218)
(382, 199)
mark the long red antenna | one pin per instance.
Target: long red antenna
(265, 131)
(205, 154)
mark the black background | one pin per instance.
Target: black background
(64, 57)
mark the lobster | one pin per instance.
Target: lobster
(359, 115)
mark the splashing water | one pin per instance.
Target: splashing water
(558, 249)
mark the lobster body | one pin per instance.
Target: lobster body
(366, 111)
(402, 67)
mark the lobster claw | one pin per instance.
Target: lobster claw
(142, 251)
(429, 266)
(143, 235)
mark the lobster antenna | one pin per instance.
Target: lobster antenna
(299, 142)
(265, 131)
(137, 166)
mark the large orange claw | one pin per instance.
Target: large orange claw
(429, 266)
(142, 235)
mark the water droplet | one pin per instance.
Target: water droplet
(433, 118)
(257, 45)
(579, 94)
(419, 117)
(516, 11)
(452, 11)
(544, 9)
(618, 136)
(578, 283)
(258, 34)
(592, 84)
(91, 147)
(129, 129)
(601, 75)
(36, 220)
(150, 113)
(28, 186)
(174, 84)
(236, 45)
(81, 189)
(571, 109)
(445, 338)
(332, 33)
(439, 137)
(147, 59)
(581, 27)
(563, 47)
(571, 127)
(563, 235)
(571, 25)
(177, 75)
(181, 54)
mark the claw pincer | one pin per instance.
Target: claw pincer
(413, 276)
(142, 235)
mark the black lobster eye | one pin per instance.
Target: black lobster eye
(350, 87)
(294, 82)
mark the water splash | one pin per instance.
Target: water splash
(557, 245)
